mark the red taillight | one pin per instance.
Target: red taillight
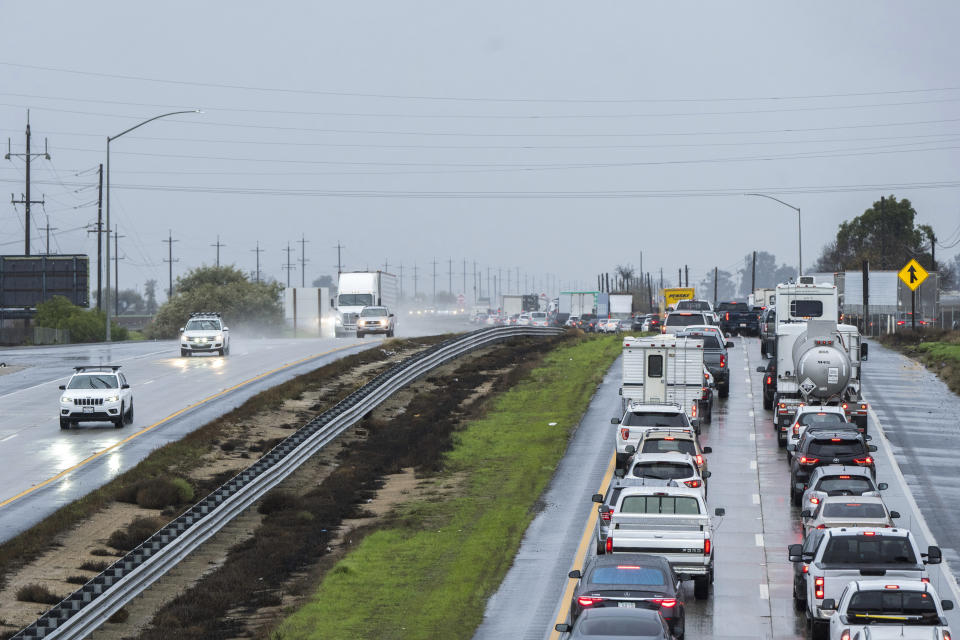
(845, 406)
(821, 526)
(814, 500)
(609, 544)
(806, 460)
(769, 379)
(699, 460)
(666, 603)
(946, 635)
(818, 588)
(587, 601)
(605, 515)
(927, 580)
(723, 361)
(844, 477)
(869, 533)
(845, 634)
(806, 568)
(728, 316)
(891, 586)
(706, 547)
(796, 430)
(624, 433)
(867, 460)
(693, 484)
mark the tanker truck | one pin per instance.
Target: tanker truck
(817, 358)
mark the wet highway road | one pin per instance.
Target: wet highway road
(44, 468)
(752, 592)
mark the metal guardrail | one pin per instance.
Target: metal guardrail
(83, 611)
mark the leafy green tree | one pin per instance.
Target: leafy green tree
(131, 303)
(243, 304)
(84, 325)
(150, 289)
(885, 234)
(769, 274)
(726, 287)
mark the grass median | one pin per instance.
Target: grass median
(937, 349)
(429, 572)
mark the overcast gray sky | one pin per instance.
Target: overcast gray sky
(414, 130)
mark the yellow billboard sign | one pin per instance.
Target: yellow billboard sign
(672, 296)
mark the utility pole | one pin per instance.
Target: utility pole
(169, 259)
(99, 232)
(401, 280)
(303, 260)
(474, 283)
(686, 275)
(489, 290)
(865, 329)
(25, 199)
(116, 269)
(48, 229)
(753, 276)
(464, 278)
(289, 265)
(217, 244)
(258, 251)
(933, 248)
(415, 280)
(434, 282)
(450, 276)
(715, 273)
(679, 277)
(339, 263)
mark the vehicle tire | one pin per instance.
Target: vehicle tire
(118, 421)
(601, 548)
(680, 629)
(708, 415)
(64, 423)
(818, 629)
(226, 350)
(724, 390)
(130, 414)
(763, 349)
(767, 402)
(701, 587)
(184, 353)
(781, 439)
(795, 497)
(390, 333)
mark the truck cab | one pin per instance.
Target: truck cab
(360, 289)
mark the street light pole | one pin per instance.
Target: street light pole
(110, 139)
(799, 228)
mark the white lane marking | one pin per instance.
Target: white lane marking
(758, 538)
(748, 379)
(12, 435)
(756, 500)
(764, 592)
(749, 394)
(753, 436)
(753, 465)
(146, 383)
(750, 413)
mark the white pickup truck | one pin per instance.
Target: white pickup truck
(889, 609)
(847, 554)
(672, 522)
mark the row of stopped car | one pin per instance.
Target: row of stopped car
(856, 574)
(654, 529)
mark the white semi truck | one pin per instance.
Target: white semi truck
(359, 289)
(818, 359)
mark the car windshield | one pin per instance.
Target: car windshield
(662, 470)
(854, 510)
(628, 575)
(628, 628)
(839, 485)
(684, 319)
(93, 381)
(693, 305)
(834, 448)
(654, 419)
(683, 505)
(538, 315)
(820, 418)
(355, 300)
(588, 317)
(373, 311)
(660, 445)
(869, 550)
(203, 325)
(892, 602)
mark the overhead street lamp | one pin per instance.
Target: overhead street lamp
(799, 229)
(109, 140)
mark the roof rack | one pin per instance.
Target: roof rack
(205, 313)
(97, 367)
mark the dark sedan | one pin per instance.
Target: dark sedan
(617, 624)
(629, 581)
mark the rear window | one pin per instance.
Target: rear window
(682, 505)
(806, 308)
(693, 305)
(893, 602)
(655, 419)
(733, 306)
(663, 470)
(853, 510)
(835, 485)
(539, 315)
(807, 419)
(869, 550)
(627, 628)
(832, 449)
(628, 575)
(655, 366)
(684, 320)
(660, 445)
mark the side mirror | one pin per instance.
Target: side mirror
(181, 329)
(695, 422)
(597, 497)
(806, 513)
(62, 387)
(863, 352)
(894, 515)
(867, 436)
(829, 605)
(882, 486)
(934, 555)
(575, 574)
(705, 475)
(562, 627)
(729, 344)
(630, 449)
(794, 552)
(946, 605)
(872, 447)
(124, 386)
(719, 512)
(618, 472)
(761, 369)
(791, 447)
(614, 420)
(707, 449)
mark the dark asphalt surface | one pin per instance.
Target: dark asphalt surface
(752, 595)
(33, 448)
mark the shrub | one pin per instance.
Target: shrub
(278, 501)
(84, 325)
(37, 593)
(157, 492)
(78, 579)
(121, 616)
(135, 533)
(99, 565)
(101, 552)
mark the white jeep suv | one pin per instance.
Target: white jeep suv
(204, 333)
(96, 394)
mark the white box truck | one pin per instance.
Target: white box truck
(359, 289)
(663, 369)
(305, 308)
(512, 305)
(621, 305)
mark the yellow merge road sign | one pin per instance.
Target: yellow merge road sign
(913, 275)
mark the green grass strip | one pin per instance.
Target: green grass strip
(429, 573)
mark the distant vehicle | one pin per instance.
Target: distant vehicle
(845, 511)
(611, 325)
(572, 321)
(738, 318)
(694, 305)
(96, 394)
(839, 480)
(204, 333)
(830, 417)
(539, 319)
(664, 440)
(523, 320)
(768, 331)
(621, 305)
(616, 622)
(376, 320)
(359, 289)
(769, 383)
(652, 323)
(588, 322)
(905, 321)
(680, 320)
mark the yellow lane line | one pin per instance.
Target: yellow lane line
(581, 552)
(167, 419)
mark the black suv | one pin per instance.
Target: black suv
(769, 383)
(768, 332)
(821, 448)
(588, 322)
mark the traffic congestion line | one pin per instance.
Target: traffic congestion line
(581, 554)
(162, 421)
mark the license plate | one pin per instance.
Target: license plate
(88, 409)
(626, 605)
(743, 324)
